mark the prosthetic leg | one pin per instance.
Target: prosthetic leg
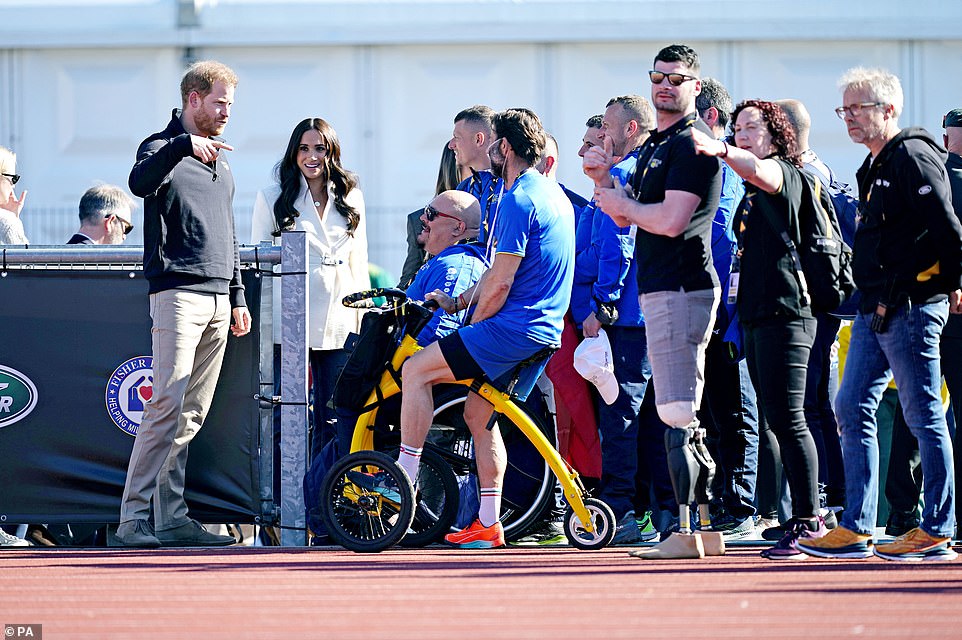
(691, 468)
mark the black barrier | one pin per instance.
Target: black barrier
(72, 381)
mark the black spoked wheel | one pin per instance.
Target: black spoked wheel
(602, 519)
(367, 502)
(437, 501)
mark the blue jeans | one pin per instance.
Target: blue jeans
(618, 422)
(909, 349)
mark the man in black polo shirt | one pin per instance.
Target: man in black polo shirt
(672, 200)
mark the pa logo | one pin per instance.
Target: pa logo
(129, 389)
(18, 396)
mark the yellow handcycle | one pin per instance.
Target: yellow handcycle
(368, 503)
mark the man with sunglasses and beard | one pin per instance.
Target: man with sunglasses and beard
(672, 197)
(519, 305)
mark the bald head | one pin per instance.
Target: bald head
(799, 118)
(456, 216)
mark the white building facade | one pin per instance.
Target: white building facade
(83, 82)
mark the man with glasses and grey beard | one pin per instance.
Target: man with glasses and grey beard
(672, 200)
(907, 264)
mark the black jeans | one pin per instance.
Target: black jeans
(820, 388)
(653, 488)
(731, 420)
(778, 354)
(325, 368)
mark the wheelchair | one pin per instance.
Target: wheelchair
(368, 503)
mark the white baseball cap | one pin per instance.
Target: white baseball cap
(594, 362)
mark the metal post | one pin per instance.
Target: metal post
(294, 363)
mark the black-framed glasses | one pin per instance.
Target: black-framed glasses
(127, 226)
(674, 79)
(855, 110)
(431, 213)
(14, 178)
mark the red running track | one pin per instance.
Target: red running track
(558, 593)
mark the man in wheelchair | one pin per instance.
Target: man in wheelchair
(518, 308)
(450, 234)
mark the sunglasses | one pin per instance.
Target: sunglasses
(127, 226)
(14, 178)
(675, 79)
(431, 213)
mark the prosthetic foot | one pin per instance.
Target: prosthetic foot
(677, 546)
(713, 542)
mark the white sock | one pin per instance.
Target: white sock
(490, 511)
(410, 461)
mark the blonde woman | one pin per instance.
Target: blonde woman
(11, 227)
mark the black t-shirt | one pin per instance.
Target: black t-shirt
(668, 162)
(768, 288)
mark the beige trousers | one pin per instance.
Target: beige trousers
(188, 337)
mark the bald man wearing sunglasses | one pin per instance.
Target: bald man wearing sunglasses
(457, 261)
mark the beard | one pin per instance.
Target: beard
(497, 163)
(207, 125)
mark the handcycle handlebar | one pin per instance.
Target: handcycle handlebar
(353, 300)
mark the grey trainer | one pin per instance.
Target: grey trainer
(193, 534)
(627, 531)
(135, 533)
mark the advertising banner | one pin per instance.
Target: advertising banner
(75, 373)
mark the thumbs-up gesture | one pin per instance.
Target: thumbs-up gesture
(598, 162)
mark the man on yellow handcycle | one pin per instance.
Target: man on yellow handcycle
(518, 308)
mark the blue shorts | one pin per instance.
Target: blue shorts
(464, 366)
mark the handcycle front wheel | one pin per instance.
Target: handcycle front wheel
(602, 520)
(367, 502)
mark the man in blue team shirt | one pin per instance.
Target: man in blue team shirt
(470, 140)
(606, 294)
(519, 305)
(450, 235)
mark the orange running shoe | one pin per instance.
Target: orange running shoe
(477, 536)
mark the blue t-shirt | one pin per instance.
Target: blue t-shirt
(534, 220)
(484, 186)
(605, 264)
(453, 271)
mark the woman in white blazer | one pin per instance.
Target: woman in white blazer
(316, 195)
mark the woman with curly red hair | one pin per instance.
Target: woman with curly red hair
(779, 327)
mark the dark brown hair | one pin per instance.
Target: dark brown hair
(289, 176)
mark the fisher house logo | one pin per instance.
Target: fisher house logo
(18, 396)
(129, 388)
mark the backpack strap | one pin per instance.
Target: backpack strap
(781, 230)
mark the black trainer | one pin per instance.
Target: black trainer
(901, 522)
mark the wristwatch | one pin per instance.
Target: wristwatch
(607, 313)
